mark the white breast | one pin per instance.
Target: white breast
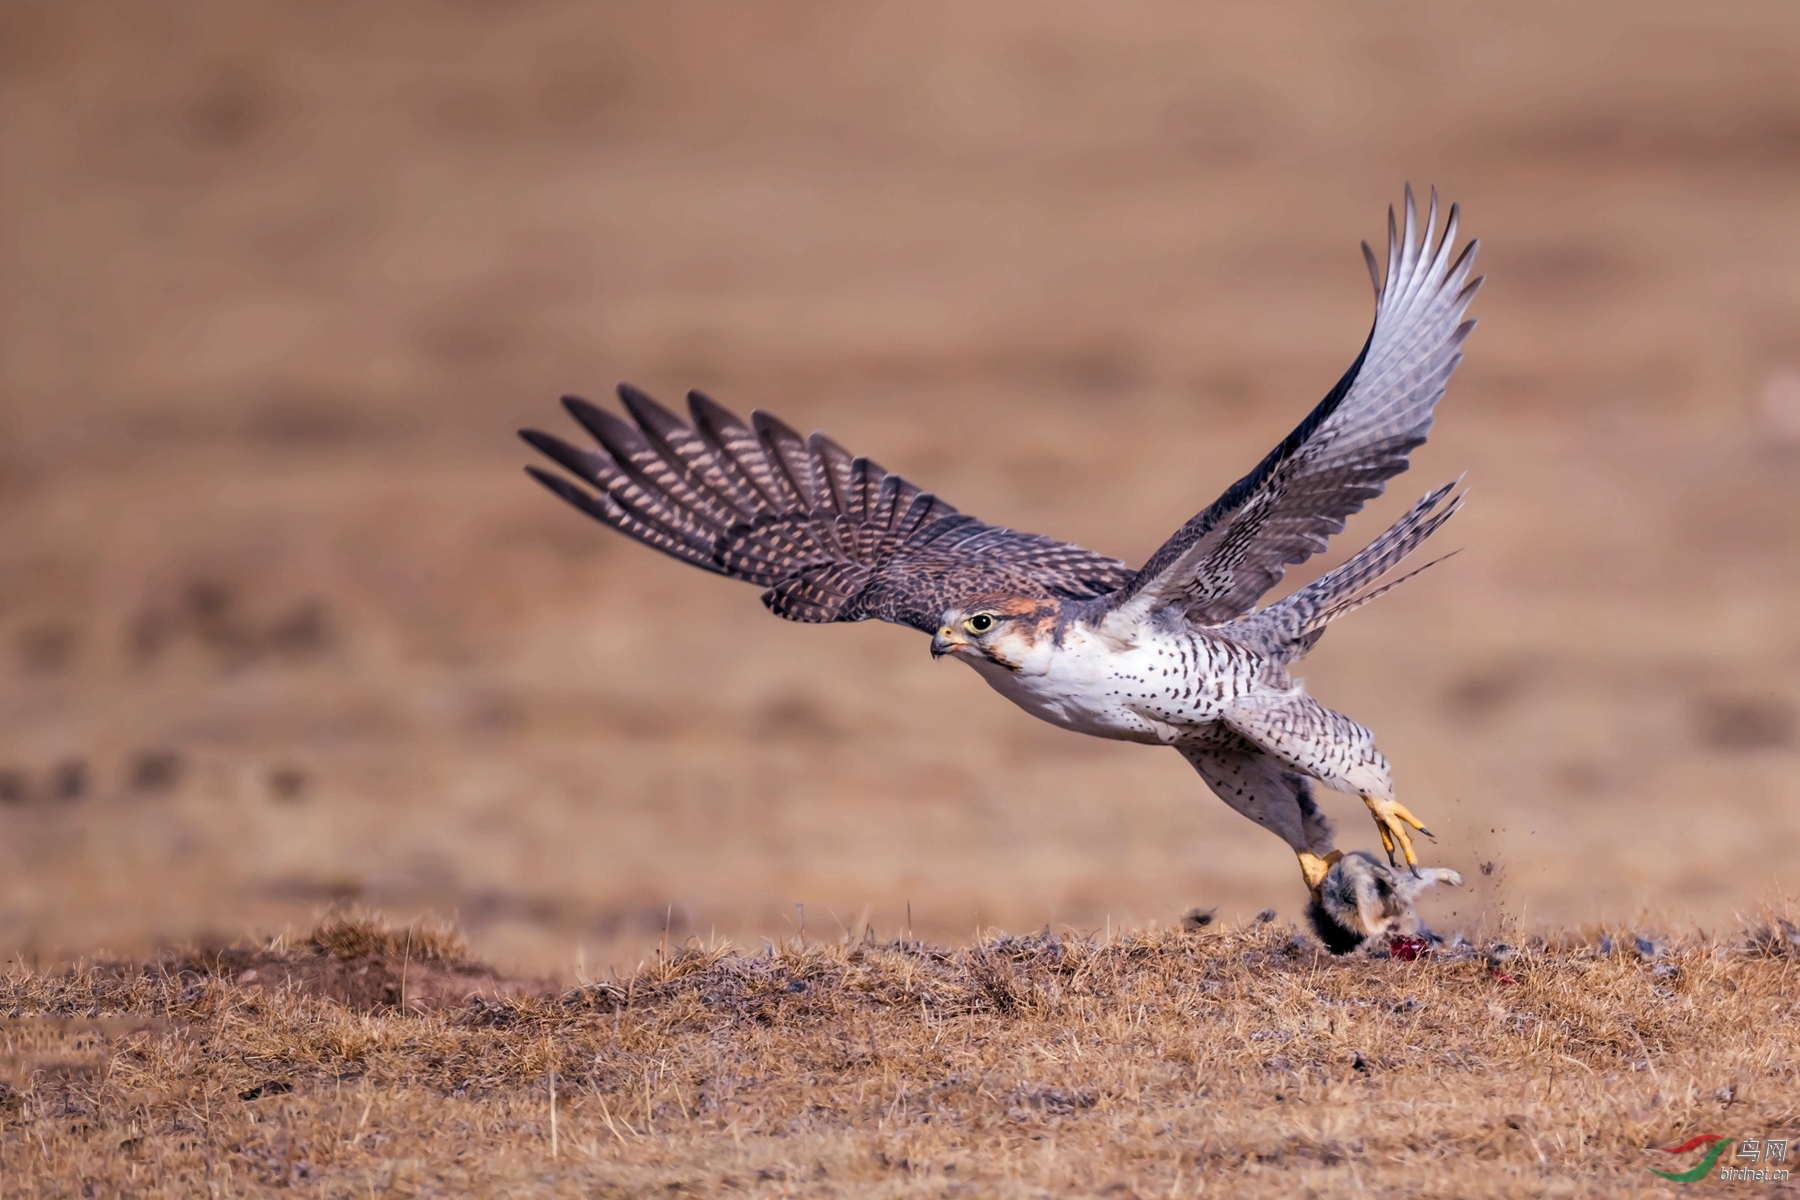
(1150, 689)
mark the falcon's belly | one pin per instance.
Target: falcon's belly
(1155, 688)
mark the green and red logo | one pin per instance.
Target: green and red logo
(1719, 1143)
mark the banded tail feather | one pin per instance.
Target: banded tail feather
(1290, 627)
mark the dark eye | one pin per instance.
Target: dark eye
(981, 623)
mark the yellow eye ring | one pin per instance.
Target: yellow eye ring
(980, 623)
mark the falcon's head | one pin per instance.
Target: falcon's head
(1001, 629)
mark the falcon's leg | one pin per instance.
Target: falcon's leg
(1314, 868)
(1354, 897)
(1333, 749)
(1270, 793)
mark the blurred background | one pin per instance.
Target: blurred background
(283, 625)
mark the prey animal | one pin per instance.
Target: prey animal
(1175, 652)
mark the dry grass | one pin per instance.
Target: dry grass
(1167, 1062)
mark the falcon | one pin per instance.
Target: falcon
(1176, 652)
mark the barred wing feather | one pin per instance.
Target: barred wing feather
(831, 537)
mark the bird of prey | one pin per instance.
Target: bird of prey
(1175, 652)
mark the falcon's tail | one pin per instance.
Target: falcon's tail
(1287, 629)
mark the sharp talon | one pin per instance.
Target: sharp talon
(1391, 821)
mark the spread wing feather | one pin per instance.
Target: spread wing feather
(1217, 565)
(1287, 629)
(831, 537)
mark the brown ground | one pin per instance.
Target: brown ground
(1214, 1061)
(281, 622)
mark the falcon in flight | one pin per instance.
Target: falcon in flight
(1175, 652)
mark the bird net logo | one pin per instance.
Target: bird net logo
(1750, 1164)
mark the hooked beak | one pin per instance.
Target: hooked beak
(947, 641)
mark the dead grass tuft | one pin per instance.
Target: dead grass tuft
(1156, 1062)
(362, 934)
(1777, 938)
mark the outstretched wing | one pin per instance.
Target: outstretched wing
(832, 537)
(1217, 565)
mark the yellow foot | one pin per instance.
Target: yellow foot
(1316, 868)
(1391, 820)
